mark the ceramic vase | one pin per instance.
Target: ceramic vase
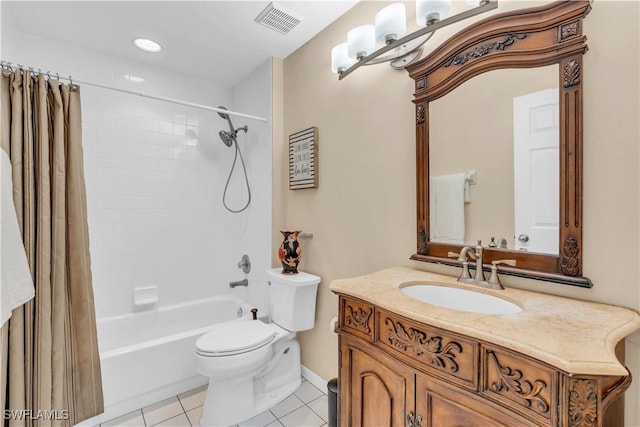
(290, 252)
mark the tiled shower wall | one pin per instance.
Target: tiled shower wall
(155, 173)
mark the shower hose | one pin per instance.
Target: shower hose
(246, 180)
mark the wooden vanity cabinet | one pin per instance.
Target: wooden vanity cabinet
(398, 372)
(379, 390)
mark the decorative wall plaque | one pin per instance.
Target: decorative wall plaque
(303, 159)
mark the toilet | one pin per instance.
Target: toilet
(253, 365)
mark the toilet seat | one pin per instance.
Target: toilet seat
(228, 339)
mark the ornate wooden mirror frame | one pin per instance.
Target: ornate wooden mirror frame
(526, 38)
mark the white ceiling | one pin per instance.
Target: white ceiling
(213, 40)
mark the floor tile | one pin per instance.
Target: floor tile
(321, 407)
(288, 405)
(162, 411)
(133, 419)
(302, 417)
(186, 409)
(194, 416)
(259, 420)
(179, 421)
(194, 398)
(308, 392)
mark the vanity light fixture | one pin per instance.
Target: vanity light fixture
(147, 45)
(389, 31)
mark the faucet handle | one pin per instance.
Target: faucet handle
(493, 278)
(464, 274)
(465, 270)
(511, 262)
(245, 264)
(465, 265)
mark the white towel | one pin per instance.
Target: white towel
(446, 207)
(16, 284)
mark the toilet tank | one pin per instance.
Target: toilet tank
(293, 299)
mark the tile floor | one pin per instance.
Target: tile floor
(308, 407)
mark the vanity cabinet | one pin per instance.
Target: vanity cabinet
(380, 389)
(396, 371)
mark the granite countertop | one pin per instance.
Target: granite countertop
(578, 337)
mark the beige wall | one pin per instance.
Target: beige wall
(363, 213)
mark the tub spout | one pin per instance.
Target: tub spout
(243, 282)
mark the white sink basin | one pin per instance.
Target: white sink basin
(460, 299)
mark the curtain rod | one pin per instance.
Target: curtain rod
(12, 66)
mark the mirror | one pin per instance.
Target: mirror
(510, 115)
(470, 94)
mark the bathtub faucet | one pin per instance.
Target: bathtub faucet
(243, 282)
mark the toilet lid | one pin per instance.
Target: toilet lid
(227, 339)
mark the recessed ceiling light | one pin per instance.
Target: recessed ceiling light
(147, 45)
(134, 79)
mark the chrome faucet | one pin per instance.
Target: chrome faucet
(243, 282)
(478, 278)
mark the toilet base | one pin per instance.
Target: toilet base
(233, 401)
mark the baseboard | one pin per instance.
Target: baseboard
(315, 379)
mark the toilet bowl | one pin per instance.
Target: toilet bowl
(253, 365)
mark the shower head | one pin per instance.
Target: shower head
(227, 137)
(226, 117)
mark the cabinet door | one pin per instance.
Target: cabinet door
(440, 406)
(375, 389)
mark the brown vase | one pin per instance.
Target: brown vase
(290, 252)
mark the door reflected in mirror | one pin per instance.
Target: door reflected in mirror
(493, 153)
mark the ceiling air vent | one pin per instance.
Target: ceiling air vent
(277, 18)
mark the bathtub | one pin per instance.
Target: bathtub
(149, 355)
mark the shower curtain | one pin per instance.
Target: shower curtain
(50, 364)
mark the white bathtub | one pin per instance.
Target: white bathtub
(149, 356)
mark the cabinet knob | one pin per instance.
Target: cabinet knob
(412, 420)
